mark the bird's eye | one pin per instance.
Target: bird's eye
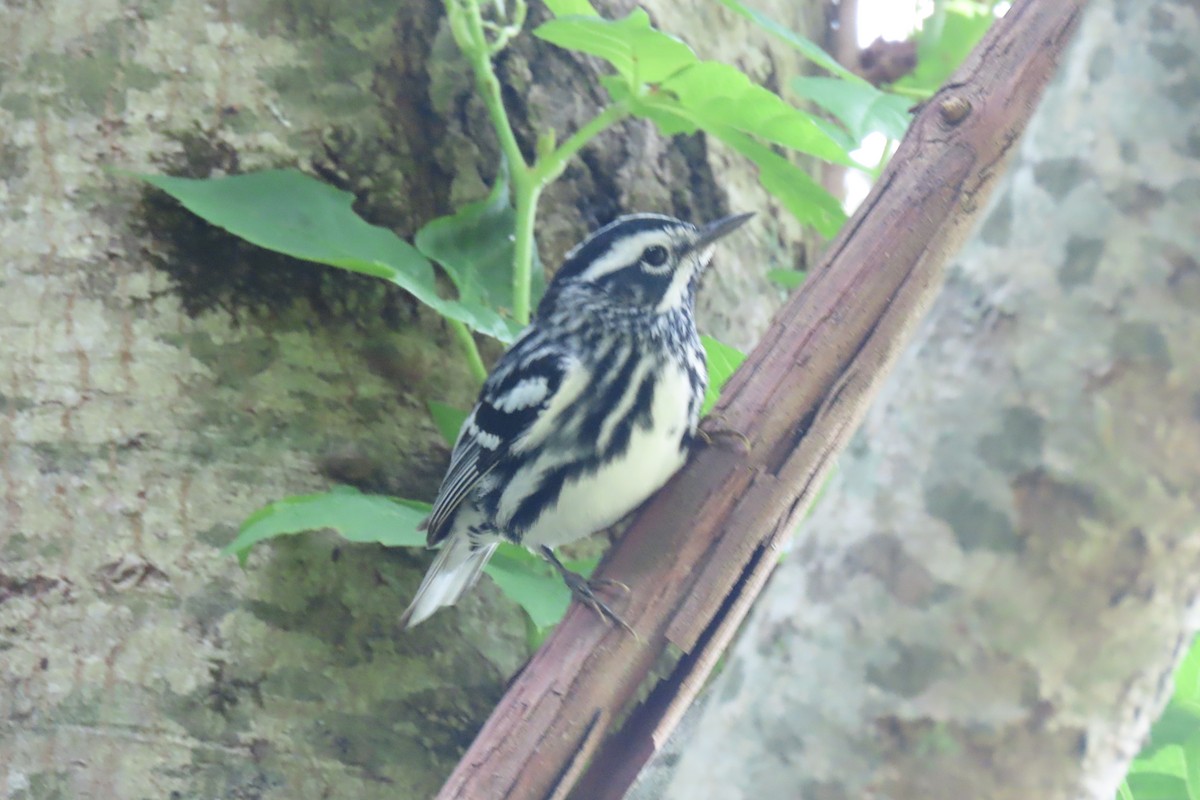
(655, 255)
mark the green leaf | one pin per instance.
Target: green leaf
(787, 278)
(1124, 792)
(563, 8)
(722, 361)
(1166, 760)
(291, 213)
(808, 48)
(838, 132)
(1156, 786)
(1187, 677)
(713, 95)
(1179, 720)
(355, 516)
(530, 582)
(858, 105)
(1168, 767)
(946, 39)
(448, 420)
(475, 246)
(692, 94)
(806, 199)
(1191, 765)
(639, 53)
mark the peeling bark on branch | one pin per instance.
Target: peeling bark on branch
(700, 552)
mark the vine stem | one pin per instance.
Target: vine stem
(527, 179)
(916, 94)
(463, 334)
(526, 191)
(551, 165)
(479, 53)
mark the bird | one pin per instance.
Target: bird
(589, 412)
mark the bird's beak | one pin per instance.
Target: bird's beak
(715, 230)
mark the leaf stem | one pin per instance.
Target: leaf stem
(527, 185)
(551, 165)
(527, 180)
(911, 92)
(463, 334)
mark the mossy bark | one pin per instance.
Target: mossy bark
(159, 381)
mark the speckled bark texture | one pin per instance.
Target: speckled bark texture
(159, 381)
(991, 597)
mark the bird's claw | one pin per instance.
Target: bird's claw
(609, 583)
(713, 428)
(584, 590)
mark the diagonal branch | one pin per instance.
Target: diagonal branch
(702, 549)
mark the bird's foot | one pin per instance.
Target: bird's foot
(584, 590)
(713, 429)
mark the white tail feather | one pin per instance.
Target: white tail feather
(453, 572)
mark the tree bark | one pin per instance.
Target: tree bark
(699, 552)
(992, 595)
(158, 382)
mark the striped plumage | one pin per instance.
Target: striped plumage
(588, 413)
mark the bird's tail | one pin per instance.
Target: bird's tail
(454, 571)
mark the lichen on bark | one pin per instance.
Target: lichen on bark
(149, 401)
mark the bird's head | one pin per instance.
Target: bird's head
(646, 263)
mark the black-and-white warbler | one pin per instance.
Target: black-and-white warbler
(589, 412)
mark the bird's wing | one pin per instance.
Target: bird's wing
(531, 384)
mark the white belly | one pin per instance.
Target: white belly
(594, 502)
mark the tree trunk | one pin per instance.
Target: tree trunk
(992, 595)
(158, 382)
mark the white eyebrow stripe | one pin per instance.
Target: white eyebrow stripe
(624, 253)
(616, 222)
(676, 293)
